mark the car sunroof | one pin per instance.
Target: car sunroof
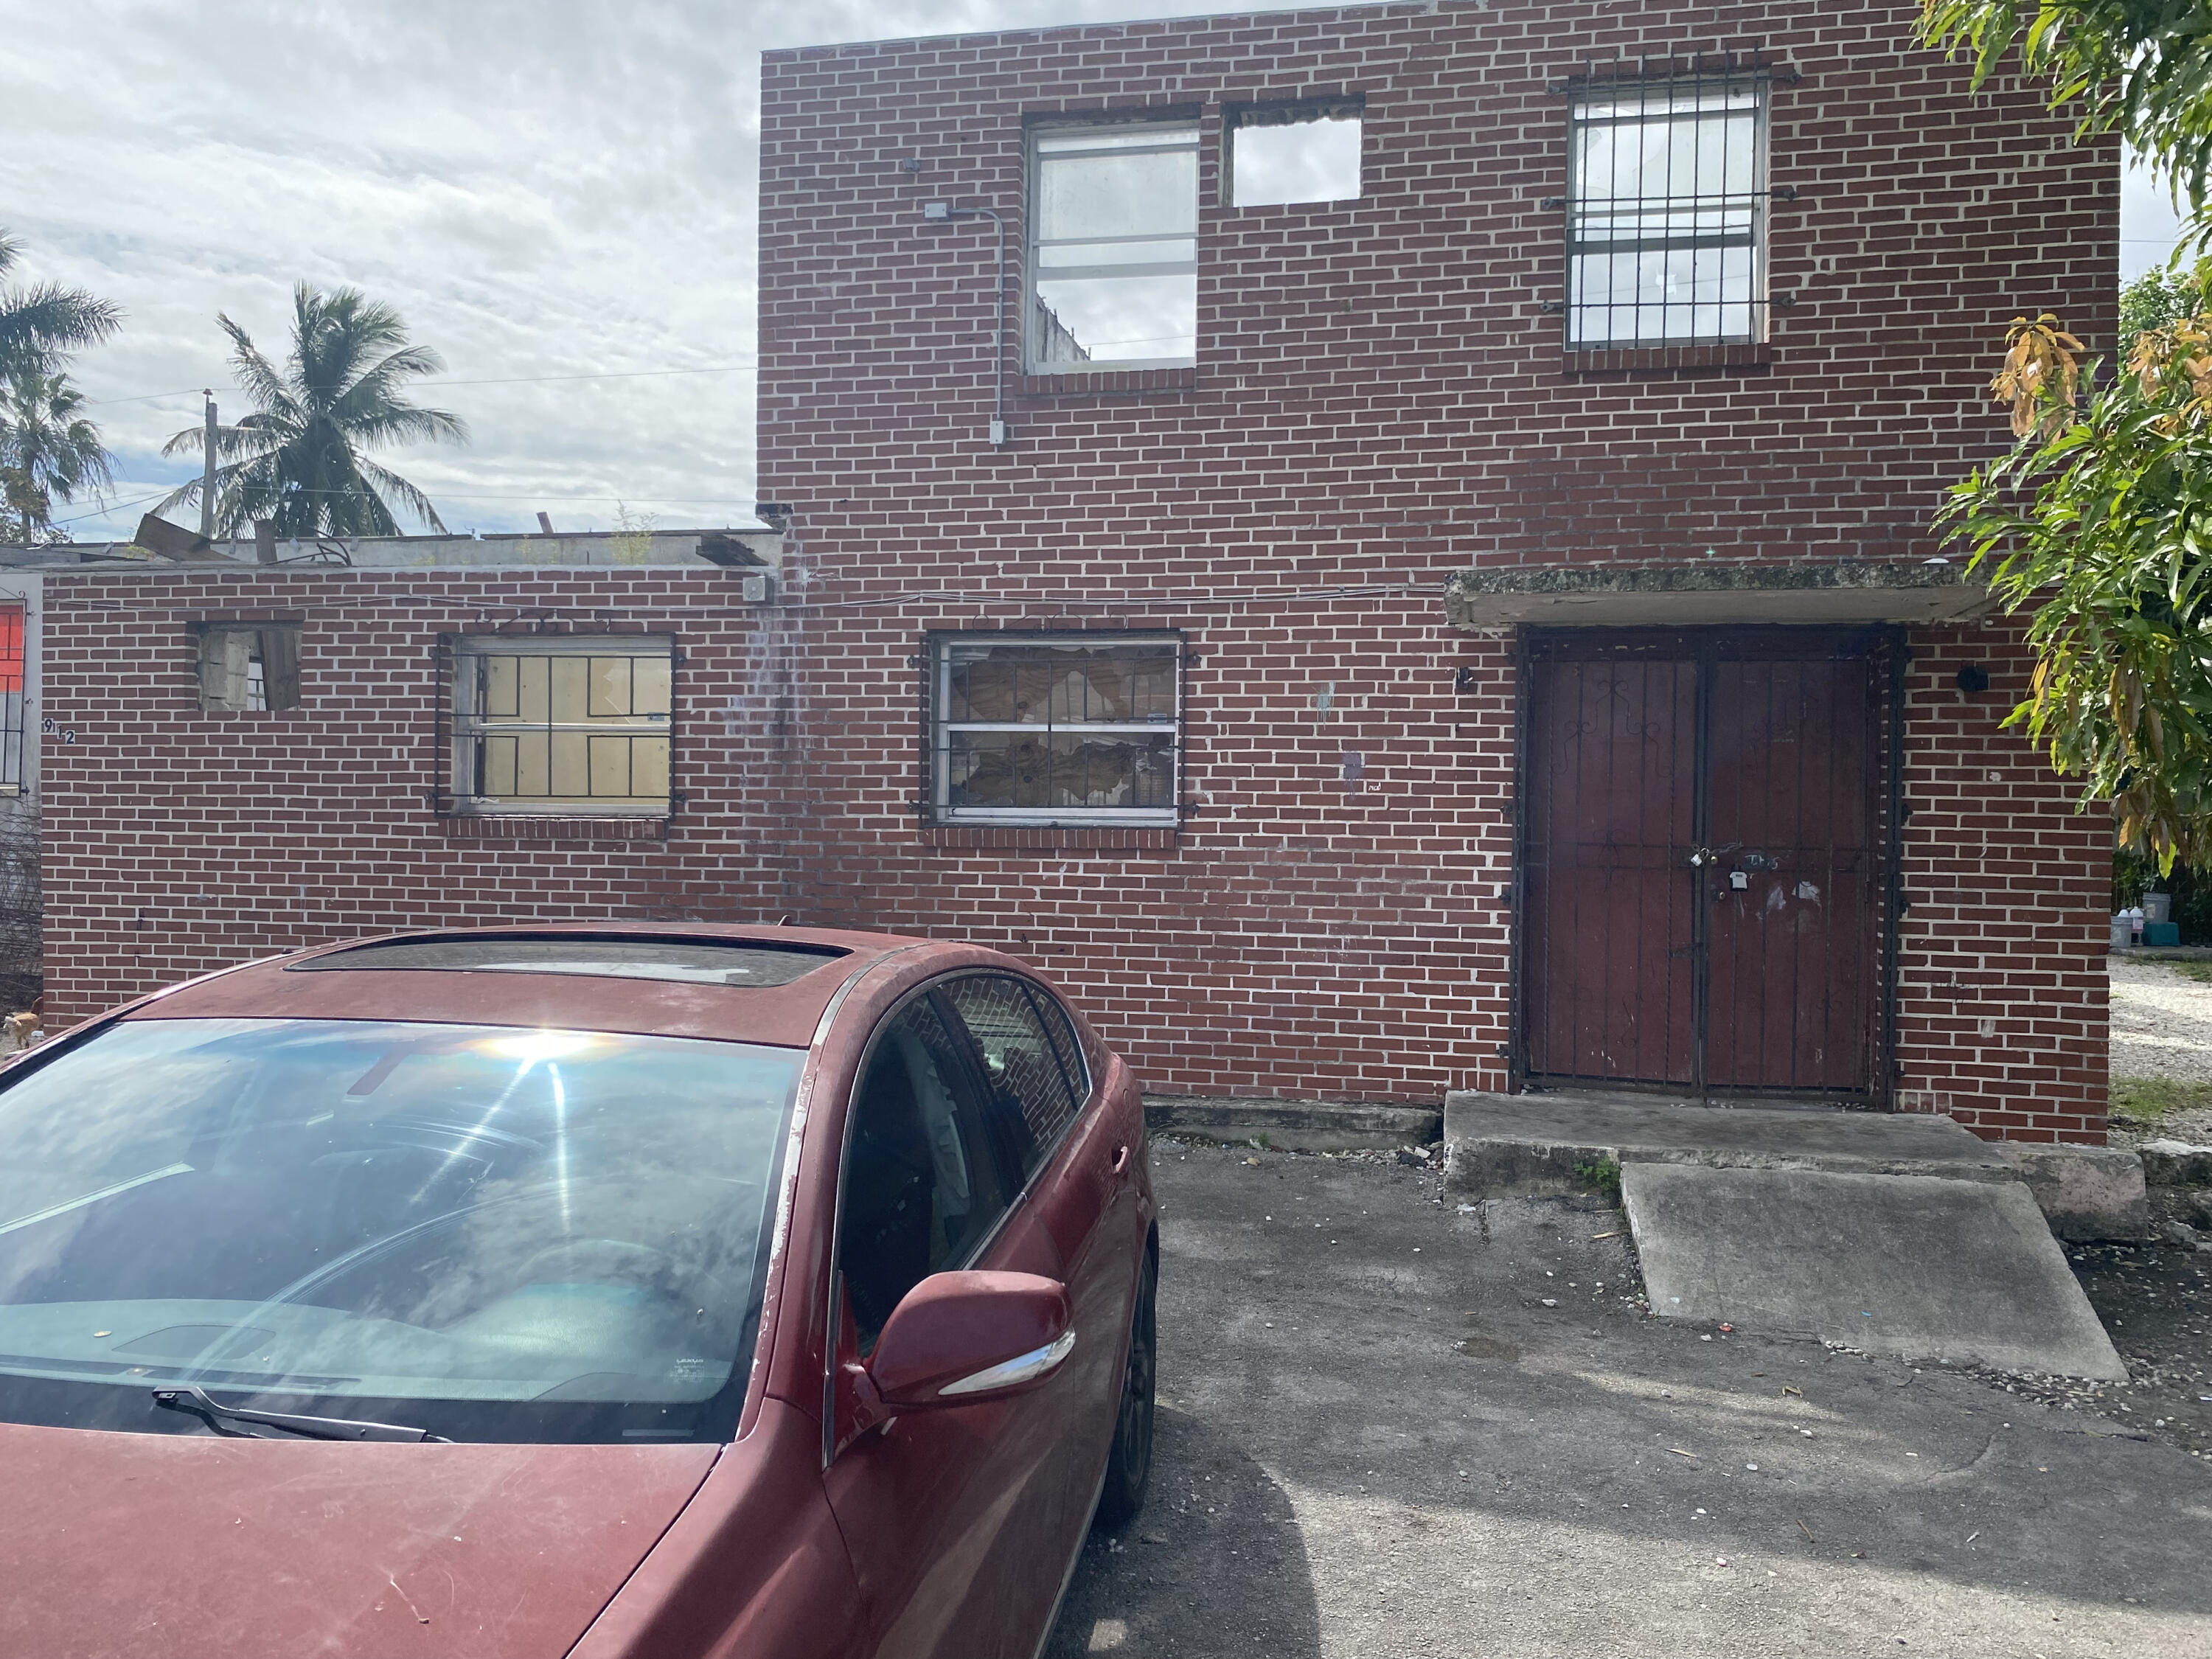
(688, 961)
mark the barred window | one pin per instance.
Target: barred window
(1667, 213)
(562, 724)
(1055, 729)
(11, 700)
(1113, 261)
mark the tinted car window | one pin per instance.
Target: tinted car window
(923, 1182)
(1062, 1032)
(490, 1232)
(1017, 1060)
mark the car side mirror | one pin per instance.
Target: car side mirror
(958, 1338)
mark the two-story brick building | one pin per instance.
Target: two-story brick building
(1386, 547)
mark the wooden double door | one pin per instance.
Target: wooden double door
(1707, 858)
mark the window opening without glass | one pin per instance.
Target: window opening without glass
(1113, 256)
(249, 666)
(1055, 730)
(1280, 153)
(565, 725)
(1667, 212)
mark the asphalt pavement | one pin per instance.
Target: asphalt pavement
(1391, 1427)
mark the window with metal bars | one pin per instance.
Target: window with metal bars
(1048, 729)
(11, 700)
(562, 724)
(1665, 208)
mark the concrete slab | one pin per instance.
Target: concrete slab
(2176, 1163)
(2085, 1191)
(1909, 1265)
(1302, 1126)
(1505, 1145)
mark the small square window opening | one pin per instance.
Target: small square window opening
(1667, 213)
(1283, 153)
(1113, 254)
(562, 725)
(1055, 730)
(249, 667)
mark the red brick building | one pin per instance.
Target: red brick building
(1414, 578)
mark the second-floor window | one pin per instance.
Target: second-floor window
(1113, 254)
(1667, 213)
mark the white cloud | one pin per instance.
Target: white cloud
(540, 187)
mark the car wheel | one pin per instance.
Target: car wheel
(1130, 1463)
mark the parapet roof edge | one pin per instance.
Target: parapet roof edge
(1414, 7)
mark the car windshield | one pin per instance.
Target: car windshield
(489, 1232)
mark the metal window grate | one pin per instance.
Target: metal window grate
(11, 699)
(1666, 208)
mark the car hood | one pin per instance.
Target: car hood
(191, 1547)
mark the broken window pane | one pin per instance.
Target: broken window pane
(1666, 215)
(1294, 153)
(1114, 249)
(1066, 730)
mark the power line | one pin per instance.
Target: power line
(515, 380)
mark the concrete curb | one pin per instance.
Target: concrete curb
(1304, 1125)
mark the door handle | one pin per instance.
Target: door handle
(1120, 1159)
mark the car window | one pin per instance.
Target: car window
(1062, 1031)
(495, 1233)
(923, 1183)
(1024, 1072)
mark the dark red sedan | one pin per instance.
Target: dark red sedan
(608, 1291)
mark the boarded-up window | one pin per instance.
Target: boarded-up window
(1050, 729)
(562, 724)
(249, 666)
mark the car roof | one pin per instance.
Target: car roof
(381, 977)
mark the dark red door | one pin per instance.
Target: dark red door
(1703, 858)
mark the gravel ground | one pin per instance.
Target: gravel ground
(1389, 1428)
(2162, 1028)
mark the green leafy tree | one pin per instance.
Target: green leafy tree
(2095, 526)
(40, 324)
(2139, 67)
(49, 452)
(300, 460)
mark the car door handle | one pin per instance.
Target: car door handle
(1120, 1159)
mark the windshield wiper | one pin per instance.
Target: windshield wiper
(195, 1401)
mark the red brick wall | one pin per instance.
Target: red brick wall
(2001, 985)
(178, 841)
(1379, 400)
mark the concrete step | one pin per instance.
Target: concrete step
(1307, 1126)
(1501, 1145)
(1908, 1266)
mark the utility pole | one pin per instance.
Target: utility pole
(207, 473)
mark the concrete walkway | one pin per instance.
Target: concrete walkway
(1899, 1235)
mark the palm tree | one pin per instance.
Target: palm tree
(41, 323)
(297, 462)
(48, 452)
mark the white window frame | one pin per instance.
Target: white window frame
(1176, 137)
(941, 728)
(470, 726)
(1713, 218)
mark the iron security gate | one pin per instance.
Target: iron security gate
(1708, 852)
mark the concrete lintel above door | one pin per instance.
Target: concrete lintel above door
(1711, 591)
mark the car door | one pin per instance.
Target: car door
(1079, 1174)
(951, 1515)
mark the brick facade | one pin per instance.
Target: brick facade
(1380, 398)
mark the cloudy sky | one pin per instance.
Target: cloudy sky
(543, 188)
